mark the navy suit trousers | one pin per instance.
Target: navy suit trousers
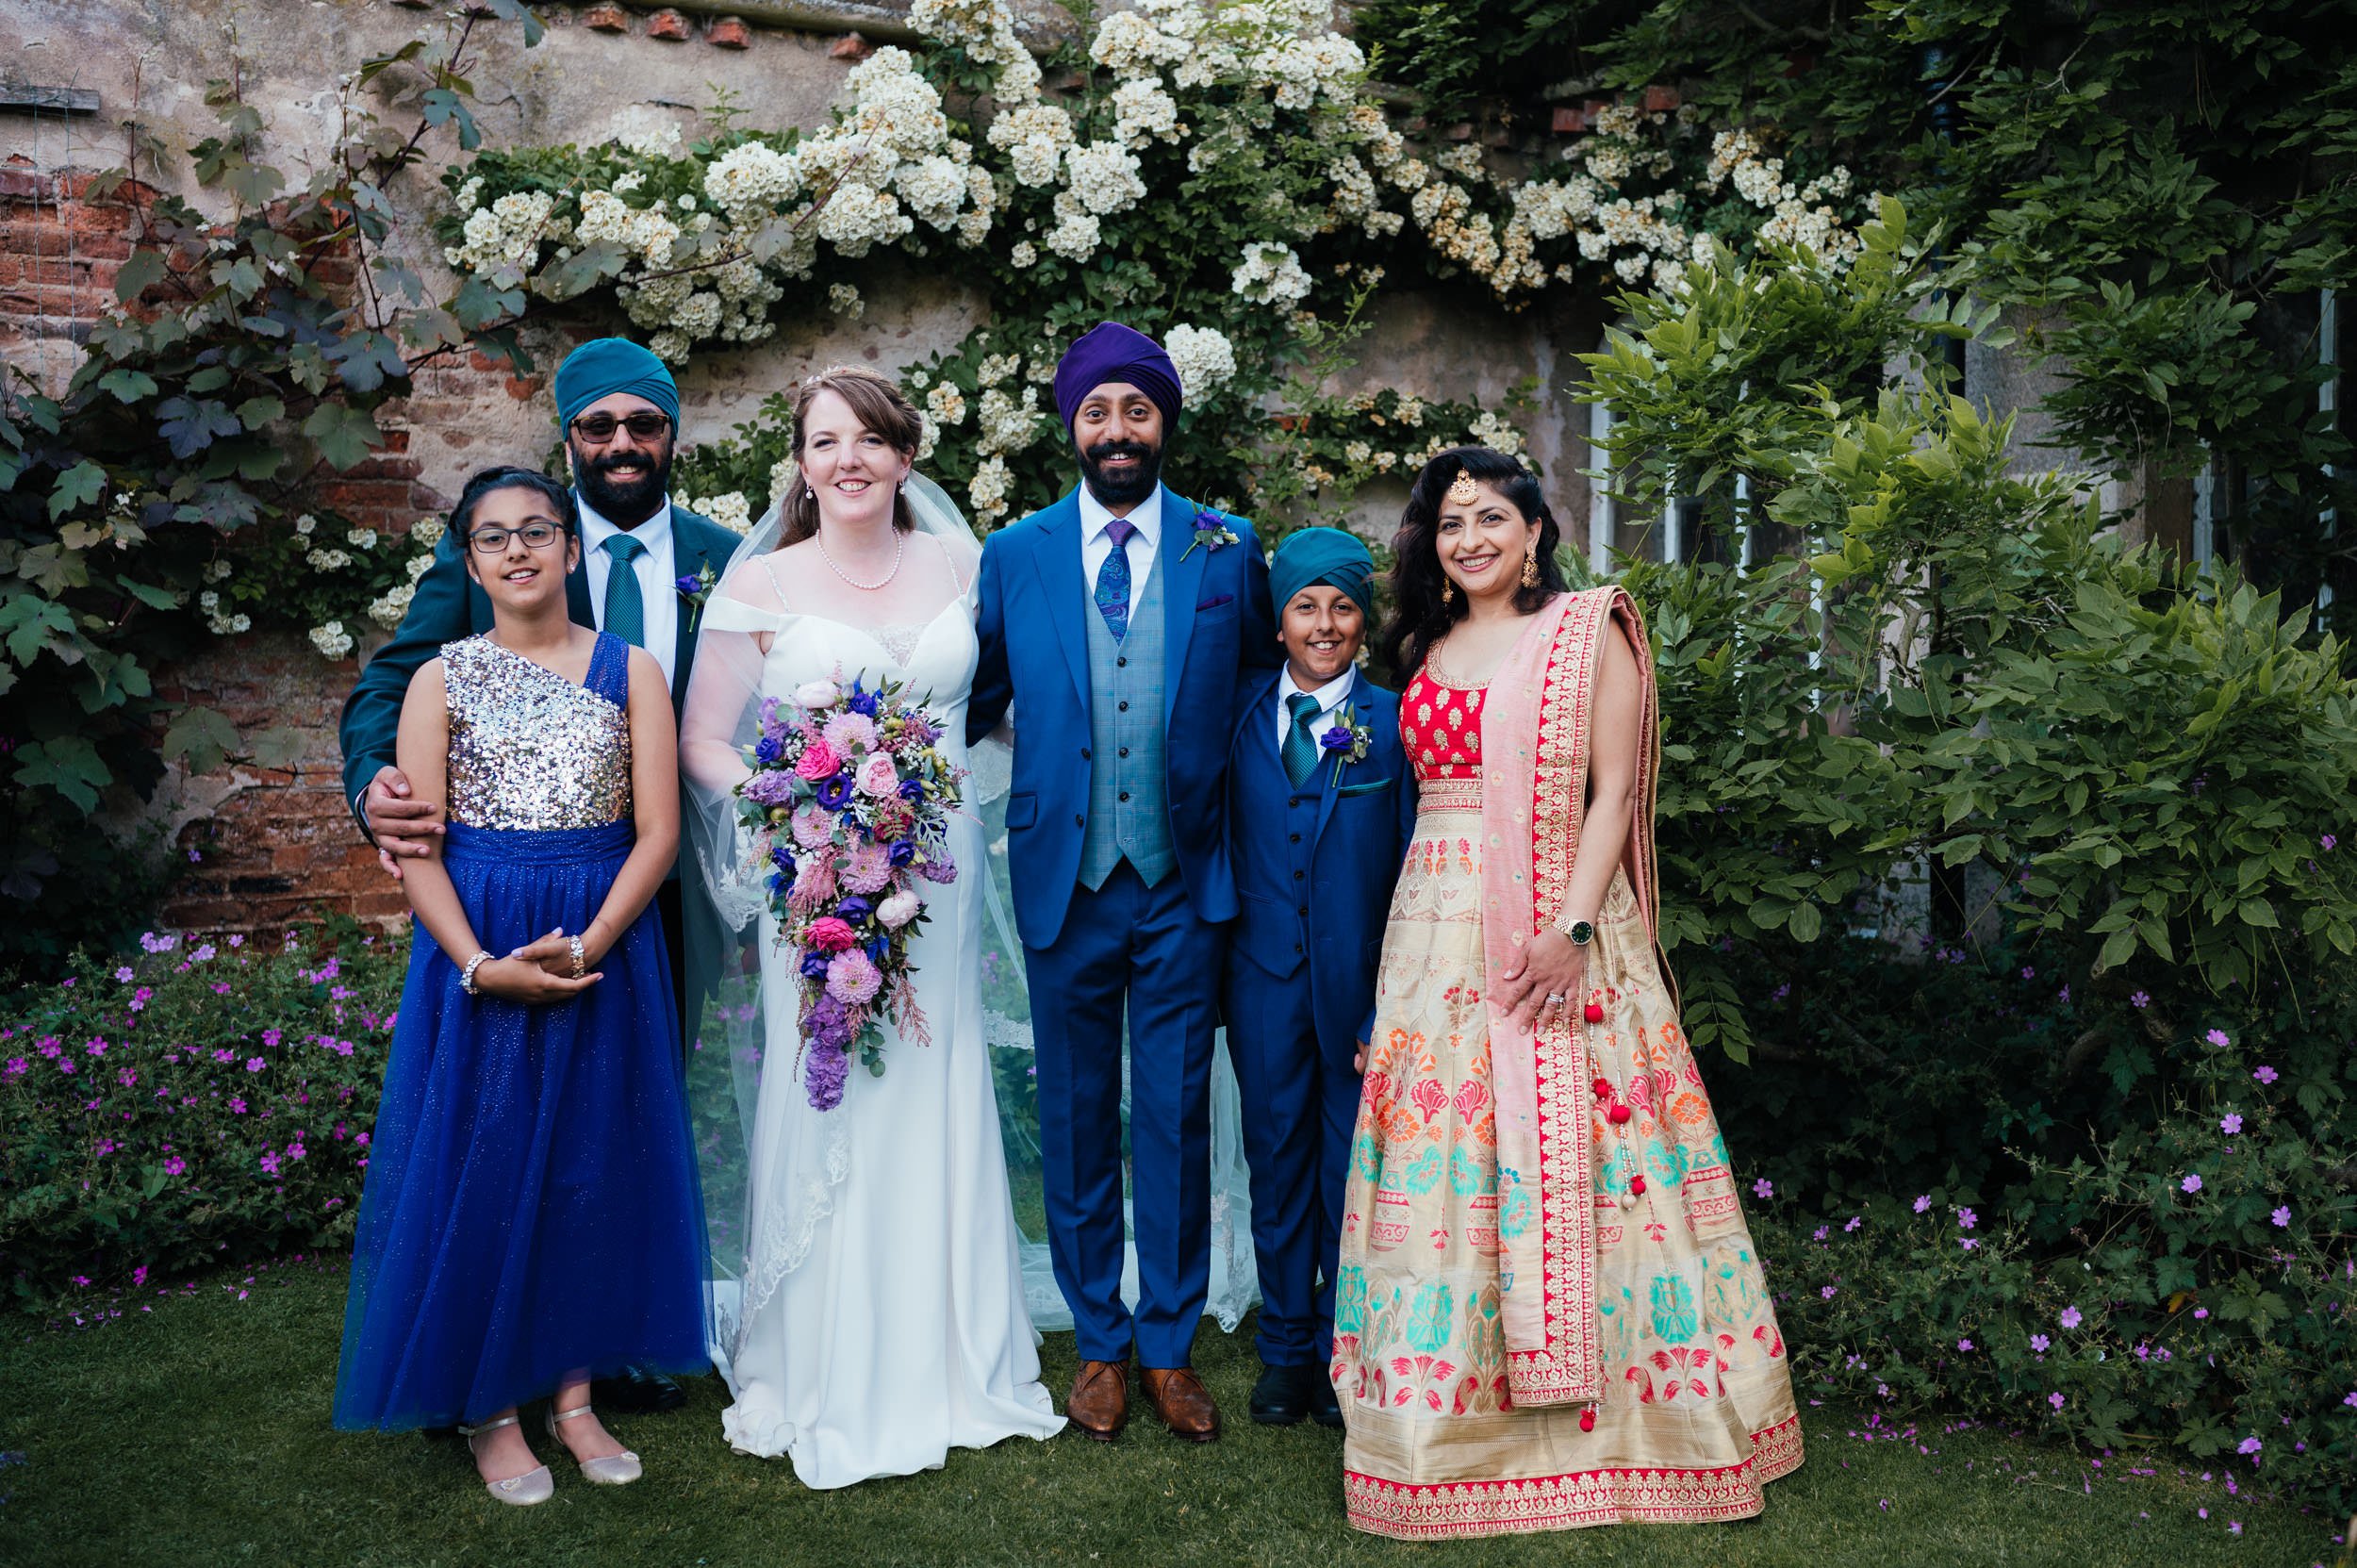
(1128, 948)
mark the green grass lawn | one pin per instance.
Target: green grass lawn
(197, 1433)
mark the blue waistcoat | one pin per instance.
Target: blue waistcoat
(1129, 792)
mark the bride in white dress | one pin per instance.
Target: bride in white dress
(879, 1317)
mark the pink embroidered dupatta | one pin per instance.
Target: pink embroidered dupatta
(1535, 749)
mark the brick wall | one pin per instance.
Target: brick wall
(269, 846)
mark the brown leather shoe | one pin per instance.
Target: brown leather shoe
(1100, 1402)
(1184, 1404)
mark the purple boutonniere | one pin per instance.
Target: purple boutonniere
(1211, 533)
(695, 590)
(1346, 743)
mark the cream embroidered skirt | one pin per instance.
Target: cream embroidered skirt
(1697, 1415)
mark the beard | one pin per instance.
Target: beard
(624, 502)
(1122, 490)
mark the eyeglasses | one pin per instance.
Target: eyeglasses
(537, 535)
(597, 429)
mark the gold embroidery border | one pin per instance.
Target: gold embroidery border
(1564, 1369)
(1442, 1510)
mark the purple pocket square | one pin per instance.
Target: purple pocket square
(1215, 603)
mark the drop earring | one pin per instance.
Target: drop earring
(1448, 591)
(1530, 567)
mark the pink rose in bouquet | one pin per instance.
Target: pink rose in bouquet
(899, 909)
(877, 776)
(830, 934)
(819, 761)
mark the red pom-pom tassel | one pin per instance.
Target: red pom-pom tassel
(1618, 1114)
(1588, 1419)
(1604, 1088)
(1637, 1185)
(1594, 1012)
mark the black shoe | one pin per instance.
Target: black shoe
(1281, 1397)
(1325, 1409)
(637, 1391)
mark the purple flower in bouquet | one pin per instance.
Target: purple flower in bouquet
(943, 872)
(833, 792)
(814, 965)
(813, 828)
(904, 851)
(824, 1069)
(852, 978)
(917, 734)
(868, 868)
(769, 748)
(830, 1022)
(853, 909)
(911, 789)
(863, 702)
(847, 732)
(783, 858)
(769, 787)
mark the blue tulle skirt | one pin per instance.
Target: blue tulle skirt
(530, 1209)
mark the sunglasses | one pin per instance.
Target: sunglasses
(537, 535)
(599, 428)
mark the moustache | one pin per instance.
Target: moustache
(1104, 450)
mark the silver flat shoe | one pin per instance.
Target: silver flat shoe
(613, 1470)
(535, 1485)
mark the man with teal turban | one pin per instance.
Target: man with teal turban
(1321, 809)
(640, 555)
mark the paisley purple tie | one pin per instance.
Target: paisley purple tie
(1112, 578)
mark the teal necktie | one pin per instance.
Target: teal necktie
(625, 609)
(1300, 751)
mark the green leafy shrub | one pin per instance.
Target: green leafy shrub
(2110, 1054)
(187, 1106)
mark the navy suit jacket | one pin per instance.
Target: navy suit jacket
(1364, 826)
(1034, 655)
(448, 607)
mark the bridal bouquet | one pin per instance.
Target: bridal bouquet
(850, 800)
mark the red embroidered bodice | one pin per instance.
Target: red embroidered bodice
(1440, 727)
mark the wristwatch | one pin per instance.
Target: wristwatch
(1581, 933)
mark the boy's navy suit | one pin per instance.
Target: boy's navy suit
(1314, 866)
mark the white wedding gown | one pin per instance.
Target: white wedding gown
(881, 1319)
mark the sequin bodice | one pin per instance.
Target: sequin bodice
(528, 748)
(1440, 727)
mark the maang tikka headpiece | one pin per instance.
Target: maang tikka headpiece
(1462, 491)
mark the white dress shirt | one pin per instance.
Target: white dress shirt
(657, 576)
(1330, 697)
(1095, 544)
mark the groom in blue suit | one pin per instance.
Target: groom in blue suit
(1321, 809)
(1115, 622)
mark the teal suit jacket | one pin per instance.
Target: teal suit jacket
(448, 607)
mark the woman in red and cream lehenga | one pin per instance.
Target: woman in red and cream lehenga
(1549, 1311)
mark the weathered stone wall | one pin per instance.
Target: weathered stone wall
(280, 842)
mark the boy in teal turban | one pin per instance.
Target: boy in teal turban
(1322, 806)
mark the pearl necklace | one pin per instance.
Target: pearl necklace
(898, 555)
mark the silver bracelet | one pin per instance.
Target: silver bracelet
(581, 962)
(466, 976)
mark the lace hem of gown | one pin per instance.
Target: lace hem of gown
(785, 1241)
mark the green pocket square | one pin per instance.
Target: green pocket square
(1367, 788)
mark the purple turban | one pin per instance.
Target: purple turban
(1111, 352)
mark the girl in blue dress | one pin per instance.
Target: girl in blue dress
(532, 1219)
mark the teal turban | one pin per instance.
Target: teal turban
(1332, 557)
(605, 365)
